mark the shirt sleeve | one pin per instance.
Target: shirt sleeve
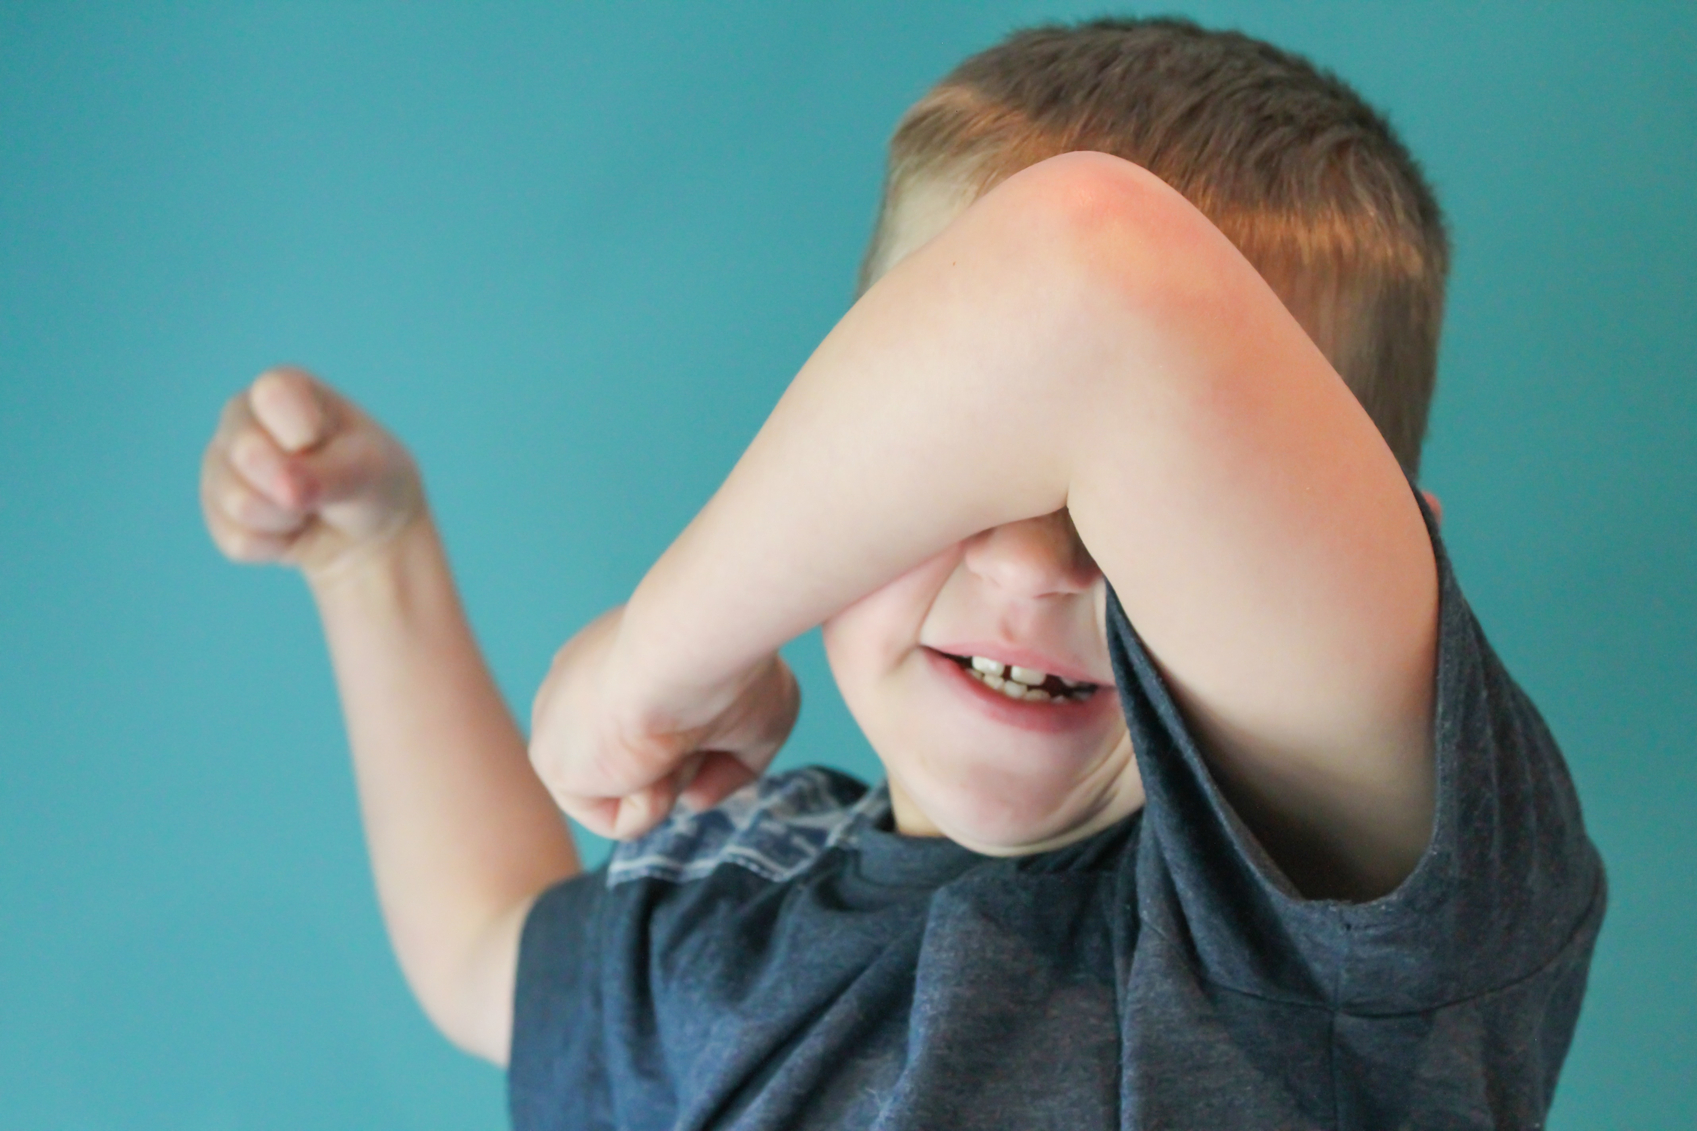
(555, 1072)
(1508, 886)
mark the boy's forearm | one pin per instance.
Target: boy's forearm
(461, 833)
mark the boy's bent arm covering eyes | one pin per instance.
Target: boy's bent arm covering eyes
(1083, 338)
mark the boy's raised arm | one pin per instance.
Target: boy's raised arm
(461, 833)
(1083, 337)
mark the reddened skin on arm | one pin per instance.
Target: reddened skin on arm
(1083, 337)
(1266, 544)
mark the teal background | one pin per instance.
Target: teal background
(571, 254)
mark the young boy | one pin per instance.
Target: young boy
(1292, 852)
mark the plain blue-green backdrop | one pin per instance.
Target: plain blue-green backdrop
(571, 253)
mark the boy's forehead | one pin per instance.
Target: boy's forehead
(922, 208)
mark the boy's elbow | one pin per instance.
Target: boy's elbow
(466, 991)
(1098, 235)
(1088, 193)
(480, 1028)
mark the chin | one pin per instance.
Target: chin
(1014, 820)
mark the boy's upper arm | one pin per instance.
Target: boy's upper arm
(482, 1023)
(1258, 532)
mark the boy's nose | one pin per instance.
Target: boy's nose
(1035, 557)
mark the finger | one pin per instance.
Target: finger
(348, 464)
(225, 491)
(719, 775)
(598, 815)
(292, 406)
(238, 501)
(257, 459)
(641, 811)
(241, 544)
(235, 415)
(616, 818)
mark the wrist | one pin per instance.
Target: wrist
(636, 685)
(378, 566)
(662, 690)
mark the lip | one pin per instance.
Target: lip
(1042, 718)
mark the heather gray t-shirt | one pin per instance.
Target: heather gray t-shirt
(786, 962)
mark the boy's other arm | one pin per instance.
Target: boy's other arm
(1083, 337)
(462, 835)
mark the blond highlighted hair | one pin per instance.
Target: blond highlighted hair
(1308, 181)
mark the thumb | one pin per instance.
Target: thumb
(291, 405)
(351, 466)
(640, 811)
(718, 775)
(361, 482)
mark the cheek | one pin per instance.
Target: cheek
(850, 652)
(880, 629)
(869, 643)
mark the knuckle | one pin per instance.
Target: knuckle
(276, 377)
(246, 449)
(233, 412)
(536, 716)
(238, 504)
(294, 374)
(596, 816)
(623, 769)
(241, 545)
(219, 533)
(542, 764)
(271, 384)
(212, 477)
(212, 467)
(228, 540)
(248, 546)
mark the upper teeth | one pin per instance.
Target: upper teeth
(1023, 683)
(1031, 677)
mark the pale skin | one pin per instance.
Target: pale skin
(461, 834)
(1073, 380)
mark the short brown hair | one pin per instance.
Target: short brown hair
(1308, 181)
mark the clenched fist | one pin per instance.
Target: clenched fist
(617, 752)
(297, 474)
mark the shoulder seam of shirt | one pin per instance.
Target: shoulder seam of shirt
(775, 827)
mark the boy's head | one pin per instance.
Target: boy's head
(1322, 199)
(1302, 175)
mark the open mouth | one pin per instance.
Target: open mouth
(1026, 685)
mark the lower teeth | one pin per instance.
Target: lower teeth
(1018, 691)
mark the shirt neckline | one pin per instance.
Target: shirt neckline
(889, 858)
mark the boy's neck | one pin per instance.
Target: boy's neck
(909, 818)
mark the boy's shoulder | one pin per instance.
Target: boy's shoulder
(774, 827)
